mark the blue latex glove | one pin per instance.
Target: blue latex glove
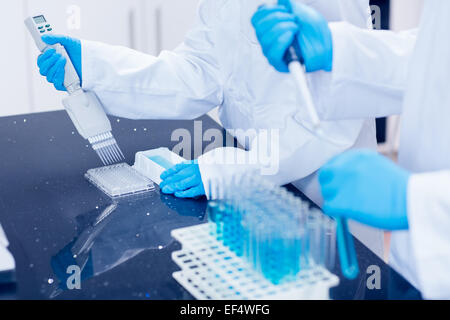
(366, 187)
(183, 180)
(275, 28)
(276, 33)
(51, 64)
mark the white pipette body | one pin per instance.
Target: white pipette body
(298, 72)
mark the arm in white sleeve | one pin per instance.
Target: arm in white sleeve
(179, 84)
(429, 224)
(282, 155)
(370, 72)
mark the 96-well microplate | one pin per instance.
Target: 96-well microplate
(119, 180)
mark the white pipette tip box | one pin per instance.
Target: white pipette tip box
(122, 180)
(119, 180)
(154, 162)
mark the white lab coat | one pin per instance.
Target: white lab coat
(409, 73)
(221, 64)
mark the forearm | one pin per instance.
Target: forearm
(136, 85)
(370, 71)
(283, 155)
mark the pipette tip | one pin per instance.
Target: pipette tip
(107, 148)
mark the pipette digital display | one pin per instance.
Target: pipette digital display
(39, 19)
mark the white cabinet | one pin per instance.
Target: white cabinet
(111, 21)
(14, 82)
(168, 21)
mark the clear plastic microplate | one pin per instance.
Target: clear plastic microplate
(119, 180)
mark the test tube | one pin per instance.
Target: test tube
(313, 227)
(330, 243)
(277, 233)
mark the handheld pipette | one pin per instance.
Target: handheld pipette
(297, 69)
(84, 108)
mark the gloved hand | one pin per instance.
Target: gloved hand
(276, 32)
(51, 64)
(275, 28)
(366, 187)
(183, 180)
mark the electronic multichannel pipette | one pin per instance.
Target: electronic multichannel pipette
(84, 108)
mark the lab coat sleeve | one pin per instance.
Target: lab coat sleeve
(179, 84)
(275, 156)
(369, 77)
(429, 224)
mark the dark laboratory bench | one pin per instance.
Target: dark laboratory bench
(48, 211)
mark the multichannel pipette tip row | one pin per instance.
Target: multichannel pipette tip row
(277, 233)
(106, 147)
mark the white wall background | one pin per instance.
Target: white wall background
(405, 14)
(146, 25)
